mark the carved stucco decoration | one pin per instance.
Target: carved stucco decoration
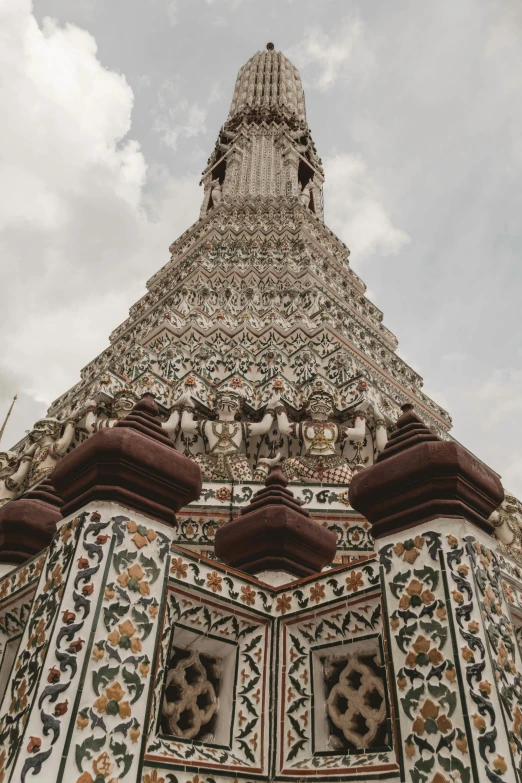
(349, 704)
(507, 520)
(195, 701)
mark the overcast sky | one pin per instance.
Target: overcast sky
(111, 107)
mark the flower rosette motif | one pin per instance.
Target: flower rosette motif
(111, 702)
(178, 568)
(409, 550)
(283, 603)
(224, 494)
(132, 579)
(248, 596)
(355, 581)
(124, 637)
(141, 535)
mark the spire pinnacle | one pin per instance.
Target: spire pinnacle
(265, 147)
(269, 83)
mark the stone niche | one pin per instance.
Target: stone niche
(351, 711)
(197, 702)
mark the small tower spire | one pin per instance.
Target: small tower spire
(7, 417)
(265, 148)
(268, 87)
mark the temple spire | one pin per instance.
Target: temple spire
(2, 430)
(265, 148)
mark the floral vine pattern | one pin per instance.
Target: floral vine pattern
(22, 690)
(20, 577)
(455, 657)
(14, 615)
(108, 729)
(69, 637)
(96, 610)
(503, 664)
(434, 740)
(14, 619)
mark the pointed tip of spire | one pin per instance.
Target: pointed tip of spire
(269, 82)
(276, 477)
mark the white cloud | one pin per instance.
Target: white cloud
(454, 356)
(142, 82)
(172, 9)
(325, 57)
(176, 117)
(353, 209)
(500, 397)
(83, 221)
(494, 412)
(232, 4)
(512, 476)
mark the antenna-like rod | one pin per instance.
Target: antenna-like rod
(8, 414)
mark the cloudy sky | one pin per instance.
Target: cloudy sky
(111, 108)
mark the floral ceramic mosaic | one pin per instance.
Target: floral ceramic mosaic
(95, 611)
(454, 655)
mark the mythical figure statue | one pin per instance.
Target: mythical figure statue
(122, 404)
(304, 196)
(216, 192)
(318, 435)
(381, 433)
(51, 445)
(13, 472)
(507, 519)
(172, 425)
(225, 439)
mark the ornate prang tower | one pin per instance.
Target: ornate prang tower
(266, 559)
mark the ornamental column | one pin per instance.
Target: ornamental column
(97, 609)
(454, 664)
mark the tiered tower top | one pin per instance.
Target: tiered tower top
(269, 81)
(265, 148)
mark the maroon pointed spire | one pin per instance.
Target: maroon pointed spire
(418, 477)
(274, 533)
(28, 524)
(133, 463)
